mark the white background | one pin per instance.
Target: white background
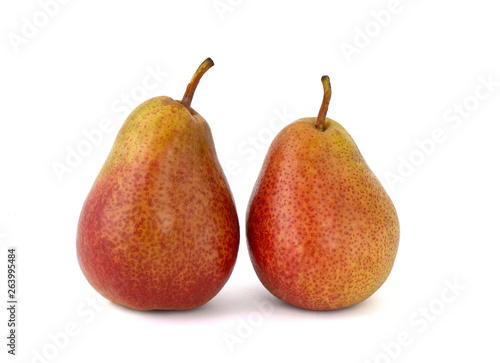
(399, 88)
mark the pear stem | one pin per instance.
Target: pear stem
(191, 87)
(327, 89)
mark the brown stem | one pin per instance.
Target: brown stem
(191, 87)
(320, 120)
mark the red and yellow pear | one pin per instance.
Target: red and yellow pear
(159, 230)
(322, 232)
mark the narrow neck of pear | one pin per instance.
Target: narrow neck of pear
(327, 89)
(191, 87)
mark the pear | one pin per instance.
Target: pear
(322, 232)
(159, 229)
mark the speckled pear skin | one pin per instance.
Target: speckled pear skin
(322, 232)
(159, 229)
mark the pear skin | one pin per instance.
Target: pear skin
(159, 229)
(322, 232)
